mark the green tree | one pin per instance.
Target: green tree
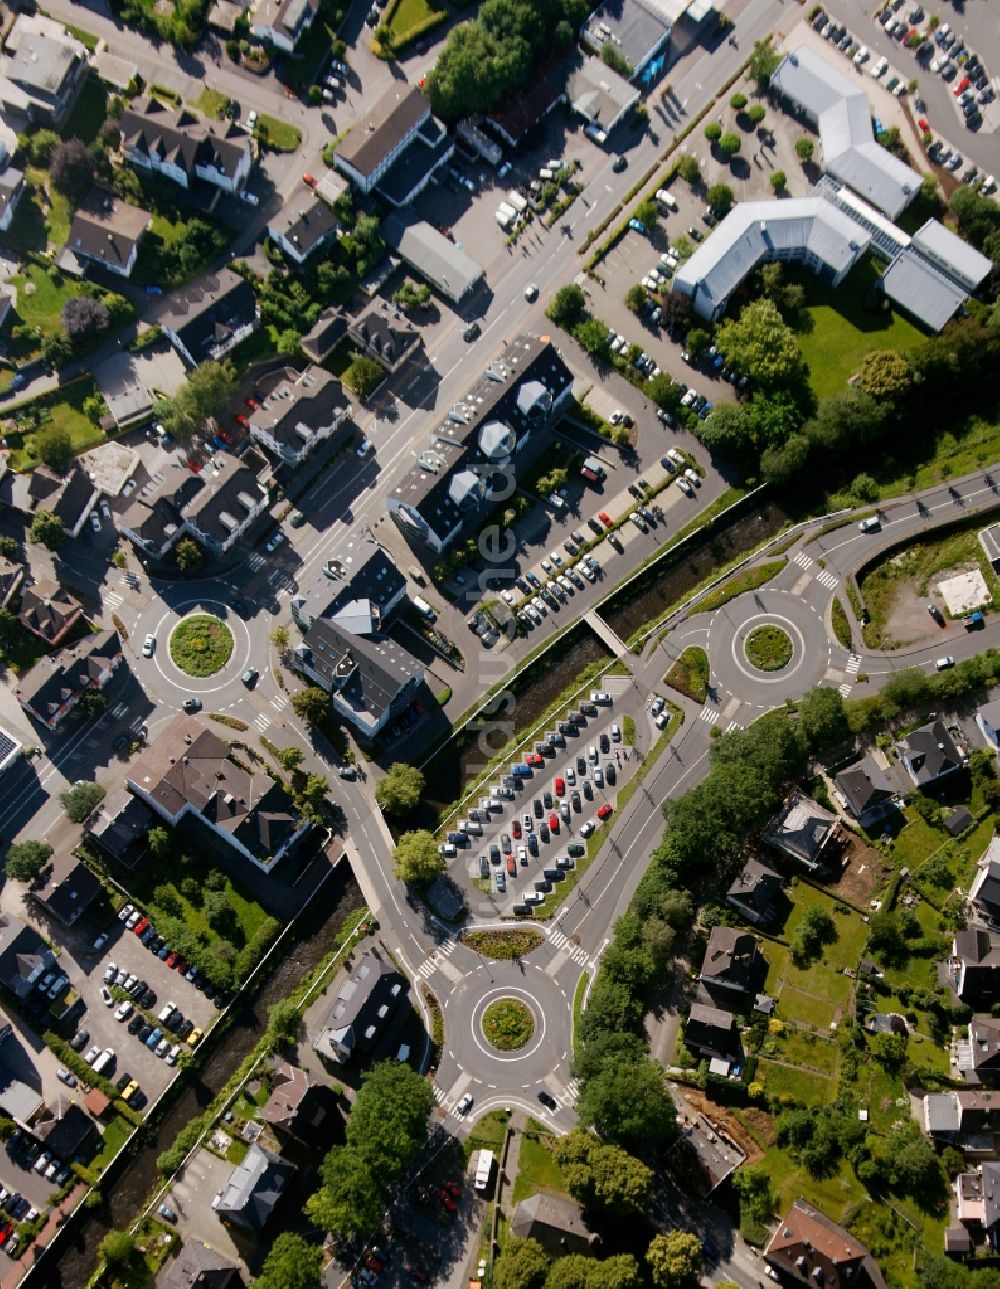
(84, 319)
(311, 705)
(713, 132)
(26, 859)
(55, 447)
(816, 928)
(674, 1259)
(592, 336)
(822, 717)
(885, 374)
(283, 1020)
(602, 1175)
(804, 149)
(720, 199)
(220, 914)
(618, 1272)
(416, 857)
(310, 795)
(47, 530)
(761, 344)
(738, 102)
(570, 1272)
(689, 169)
(779, 180)
(398, 791)
(756, 114)
(279, 637)
(629, 1104)
(290, 758)
(80, 801)
(160, 843)
(117, 1248)
(635, 297)
(188, 554)
(206, 393)
(350, 1199)
(730, 143)
(291, 1263)
(888, 1049)
(523, 1264)
(567, 307)
(8, 547)
(763, 63)
(364, 375)
(93, 703)
(72, 169)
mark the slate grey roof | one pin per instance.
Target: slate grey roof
(543, 1214)
(296, 404)
(10, 185)
(329, 328)
(952, 254)
(922, 290)
(199, 1267)
(710, 1030)
(732, 959)
(22, 953)
(205, 312)
(182, 138)
(432, 255)
(53, 680)
(802, 828)
(865, 785)
(120, 821)
(990, 1173)
(757, 231)
(107, 229)
(930, 752)
(598, 93)
(391, 120)
(304, 220)
(360, 573)
(635, 28)
(985, 889)
(755, 885)
(984, 1043)
(364, 1004)
(839, 106)
(384, 335)
(366, 672)
(70, 890)
(254, 1188)
(231, 492)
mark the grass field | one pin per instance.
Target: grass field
(409, 16)
(536, 1169)
(211, 103)
(690, 674)
(281, 137)
(810, 1010)
(852, 933)
(488, 1134)
(789, 1182)
(794, 1083)
(41, 294)
(63, 408)
(839, 331)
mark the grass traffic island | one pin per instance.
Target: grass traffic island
(690, 674)
(201, 645)
(768, 648)
(503, 944)
(508, 1024)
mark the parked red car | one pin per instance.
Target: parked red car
(171, 959)
(560, 787)
(141, 925)
(606, 519)
(553, 823)
(606, 811)
(535, 758)
(242, 420)
(448, 1202)
(962, 86)
(515, 828)
(374, 1264)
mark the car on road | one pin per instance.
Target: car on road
(192, 704)
(531, 292)
(943, 664)
(547, 1099)
(149, 646)
(64, 1076)
(250, 677)
(274, 542)
(870, 525)
(106, 998)
(620, 164)
(472, 332)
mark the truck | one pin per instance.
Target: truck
(593, 471)
(484, 1166)
(478, 142)
(975, 621)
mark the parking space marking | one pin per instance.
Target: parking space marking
(255, 561)
(113, 599)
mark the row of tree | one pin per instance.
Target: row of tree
(673, 1260)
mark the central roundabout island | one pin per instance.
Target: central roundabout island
(201, 644)
(508, 1024)
(768, 648)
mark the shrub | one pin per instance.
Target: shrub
(713, 132)
(738, 102)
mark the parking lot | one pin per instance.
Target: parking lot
(527, 830)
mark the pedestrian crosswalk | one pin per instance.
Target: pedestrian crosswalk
(561, 941)
(803, 560)
(435, 960)
(112, 599)
(255, 561)
(845, 688)
(262, 722)
(733, 725)
(829, 580)
(571, 1094)
(279, 702)
(853, 664)
(710, 715)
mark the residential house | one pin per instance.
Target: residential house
(11, 191)
(42, 71)
(733, 962)
(189, 772)
(230, 500)
(182, 147)
(984, 894)
(557, 1223)
(866, 791)
(369, 677)
(120, 825)
(66, 1131)
(978, 1053)
(396, 147)
(929, 754)
(988, 719)
(325, 334)
(54, 686)
(519, 114)
(810, 1249)
(975, 965)
(255, 1186)
(362, 1010)
(154, 519)
(296, 1107)
(48, 611)
(108, 231)
(19, 1099)
(804, 830)
(199, 1267)
(598, 94)
(887, 1023)
(358, 588)
(210, 316)
(465, 464)
(24, 956)
(754, 891)
(968, 1119)
(298, 412)
(70, 496)
(978, 1202)
(303, 225)
(11, 577)
(445, 266)
(385, 335)
(711, 1033)
(282, 23)
(71, 889)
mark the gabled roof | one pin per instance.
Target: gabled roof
(322, 338)
(812, 1249)
(199, 1267)
(552, 1213)
(22, 953)
(360, 573)
(48, 610)
(710, 1030)
(984, 1043)
(922, 289)
(985, 889)
(839, 105)
(304, 220)
(447, 268)
(366, 671)
(385, 335)
(254, 1188)
(297, 404)
(952, 253)
(69, 1133)
(865, 785)
(289, 1086)
(179, 137)
(386, 125)
(930, 752)
(70, 671)
(802, 828)
(206, 312)
(755, 885)
(107, 229)
(364, 1004)
(732, 958)
(11, 576)
(230, 493)
(70, 890)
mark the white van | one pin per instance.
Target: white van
(423, 608)
(104, 1060)
(516, 200)
(505, 216)
(666, 199)
(546, 174)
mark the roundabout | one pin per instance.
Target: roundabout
(201, 645)
(768, 648)
(508, 1024)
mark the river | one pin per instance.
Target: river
(71, 1263)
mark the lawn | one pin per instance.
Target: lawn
(798, 1085)
(817, 1055)
(22, 652)
(839, 331)
(852, 933)
(281, 137)
(41, 294)
(116, 1132)
(201, 645)
(62, 408)
(536, 1169)
(86, 38)
(408, 18)
(797, 1005)
(957, 451)
(789, 1182)
(690, 674)
(211, 103)
(916, 843)
(488, 1134)
(56, 213)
